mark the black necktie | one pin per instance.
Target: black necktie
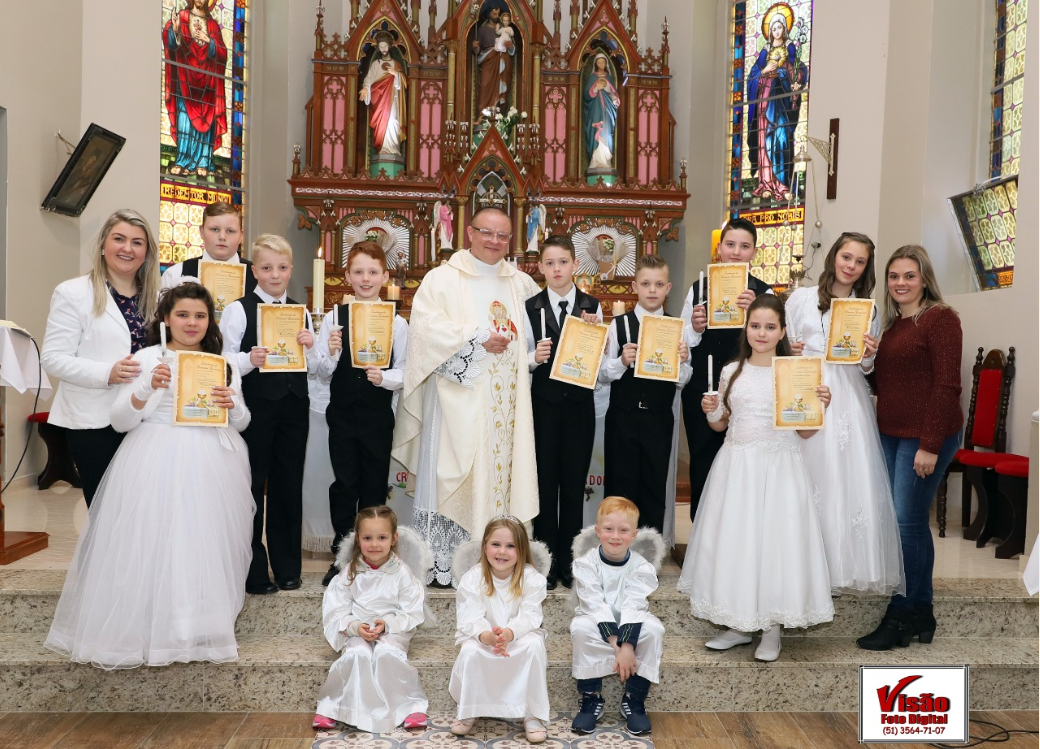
(277, 301)
(563, 312)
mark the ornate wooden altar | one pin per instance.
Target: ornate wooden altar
(406, 138)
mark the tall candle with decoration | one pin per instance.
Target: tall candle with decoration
(716, 237)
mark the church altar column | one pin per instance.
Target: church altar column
(457, 205)
(573, 125)
(536, 85)
(519, 236)
(452, 52)
(632, 116)
(350, 157)
(412, 159)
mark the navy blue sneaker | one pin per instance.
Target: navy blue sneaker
(634, 712)
(591, 711)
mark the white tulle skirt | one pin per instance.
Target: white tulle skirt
(756, 555)
(847, 468)
(159, 572)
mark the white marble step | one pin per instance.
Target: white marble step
(963, 608)
(284, 672)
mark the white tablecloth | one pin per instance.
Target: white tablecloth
(20, 363)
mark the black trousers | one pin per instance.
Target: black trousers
(92, 450)
(360, 438)
(704, 443)
(563, 437)
(277, 441)
(637, 445)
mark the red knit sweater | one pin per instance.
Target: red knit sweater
(917, 374)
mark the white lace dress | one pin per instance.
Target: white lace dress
(847, 467)
(756, 555)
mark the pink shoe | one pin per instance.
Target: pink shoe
(415, 720)
(321, 722)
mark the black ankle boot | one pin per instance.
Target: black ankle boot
(895, 629)
(923, 622)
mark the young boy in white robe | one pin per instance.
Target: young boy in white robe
(370, 613)
(613, 630)
(500, 670)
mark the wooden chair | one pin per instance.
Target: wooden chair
(59, 460)
(1010, 516)
(986, 428)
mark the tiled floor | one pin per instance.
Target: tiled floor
(292, 730)
(60, 511)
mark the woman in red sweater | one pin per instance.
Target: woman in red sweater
(918, 381)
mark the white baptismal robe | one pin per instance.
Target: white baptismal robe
(617, 593)
(488, 685)
(372, 686)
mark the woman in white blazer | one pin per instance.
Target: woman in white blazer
(95, 324)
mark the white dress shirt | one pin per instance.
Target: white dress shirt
(554, 310)
(393, 378)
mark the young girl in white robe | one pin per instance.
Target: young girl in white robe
(500, 670)
(370, 613)
(756, 559)
(159, 572)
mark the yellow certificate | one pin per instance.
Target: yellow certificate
(226, 283)
(197, 375)
(795, 403)
(725, 283)
(580, 352)
(657, 354)
(276, 329)
(371, 333)
(850, 321)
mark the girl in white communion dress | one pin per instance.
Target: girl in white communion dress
(500, 670)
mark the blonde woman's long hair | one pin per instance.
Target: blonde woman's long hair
(147, 275)
(523, 555)
(932, 296)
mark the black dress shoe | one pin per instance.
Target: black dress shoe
(550, 582)
(292, 583)
(567, 580)
(261, 589)
(333, 571)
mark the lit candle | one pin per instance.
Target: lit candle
(716, 237)
(393, 292)
(319, 281)
(711, 378)
(617, 309)
(162, 337)
(544, 336)
(700, 287)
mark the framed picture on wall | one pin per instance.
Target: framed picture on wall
(84, 171)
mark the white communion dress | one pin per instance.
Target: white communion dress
(756, 555)
(159, 572)
(847, 467)
(618, 593)
(372, 686)
(488, 685)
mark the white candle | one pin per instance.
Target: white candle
(700, 287)
(259, 328)
(319, 281)
(542, 310)
(628, 331)
(162, 337)
(335, 314)
(711, 377)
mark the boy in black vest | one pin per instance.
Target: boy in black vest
(221, 239)
(277, 432)
(736, 245)
(361, 402)
(640, 424)
(564, 414)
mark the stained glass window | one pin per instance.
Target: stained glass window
(768, 116)
(202, 117)
(1009, 64)
(986, 218)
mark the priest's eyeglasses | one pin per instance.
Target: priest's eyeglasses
(487, 234)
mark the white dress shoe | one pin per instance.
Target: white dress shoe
(728, 639)
(769, 648)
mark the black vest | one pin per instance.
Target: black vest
(541, 385)
(191, 268)
(350, 383)
(632, 392)
(721, 343)
(268, 386)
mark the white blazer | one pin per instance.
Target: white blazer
(80, 349)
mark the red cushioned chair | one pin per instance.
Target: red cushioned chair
(986, 428)
(1009, 513)
(59, 461)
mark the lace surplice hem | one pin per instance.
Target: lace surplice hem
(463, 367)
(444, 536)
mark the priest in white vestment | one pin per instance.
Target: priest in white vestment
(464, 425)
